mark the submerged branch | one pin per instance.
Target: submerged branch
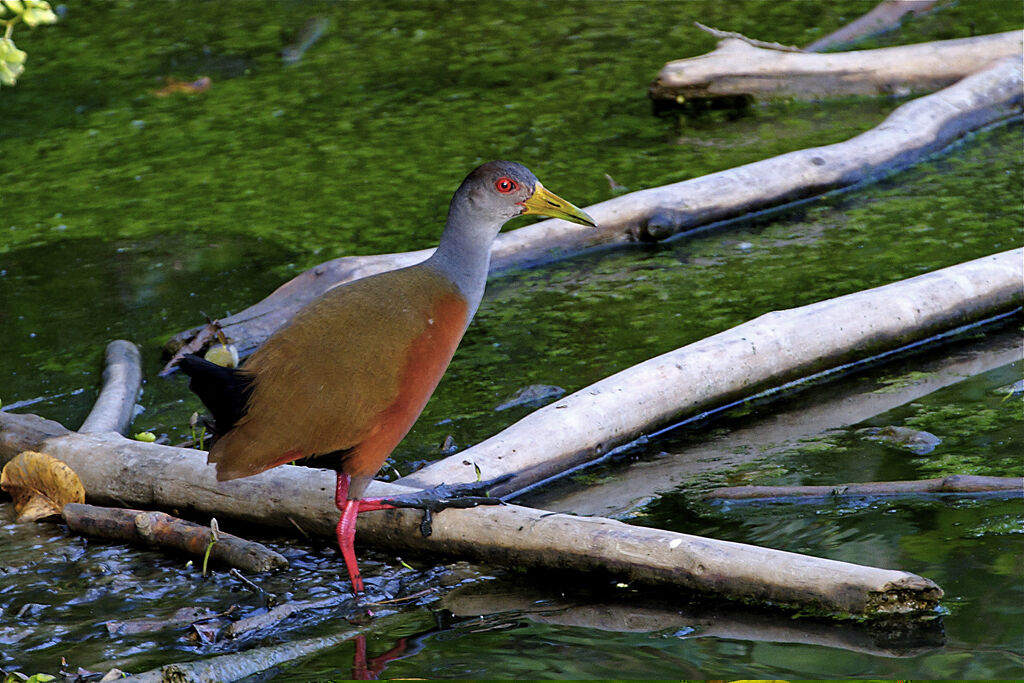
(957, 483)
(239, 665)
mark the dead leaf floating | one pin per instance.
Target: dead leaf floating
(40, 485)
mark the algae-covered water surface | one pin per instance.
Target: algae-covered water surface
(125, 214)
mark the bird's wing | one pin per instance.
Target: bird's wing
(330, 380)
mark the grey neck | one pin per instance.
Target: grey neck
(464, 254)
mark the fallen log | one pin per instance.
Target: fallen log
(638, 482)
(738, 69)
(956, 483)
(909, 134)
(157, 529)
(763, 353)
(113, 468)
(122, 381)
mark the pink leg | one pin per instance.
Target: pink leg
(346, 542)
(350, 509)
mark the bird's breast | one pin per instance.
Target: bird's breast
(426, 358)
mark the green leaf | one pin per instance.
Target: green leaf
(12, 61)
(38, 12)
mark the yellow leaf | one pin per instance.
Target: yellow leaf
(40, 485)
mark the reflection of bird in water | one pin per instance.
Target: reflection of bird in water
(351, 372)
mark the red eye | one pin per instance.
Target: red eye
(505, 185)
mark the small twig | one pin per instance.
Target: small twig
(249, 584)
(750, 41)
(210, 331)
(299, 527)
(407, 598)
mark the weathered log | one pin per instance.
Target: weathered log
(158, 529)
(763, 353)
(637, 482)
(122, 381)
(956, 483)
(884, 16)
(911, 133)
(113, 468)
(24, 432)
(737, 69)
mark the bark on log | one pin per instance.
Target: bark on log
(24, 432)
(765, 352)
(957, 483)
(122, 381)
(161, 530)
(886, 15)
(113, 468)
(911, 133)
(737, 69)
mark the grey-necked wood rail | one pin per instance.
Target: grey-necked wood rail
(350, 373)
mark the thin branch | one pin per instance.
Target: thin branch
(750, 41)
(957, 483)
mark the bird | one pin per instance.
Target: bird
(345, 379)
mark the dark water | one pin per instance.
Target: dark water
(123, 215)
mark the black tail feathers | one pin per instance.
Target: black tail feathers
(224, 391)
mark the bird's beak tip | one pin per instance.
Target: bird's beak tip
(544, 202)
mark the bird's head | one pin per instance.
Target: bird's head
(508, 189)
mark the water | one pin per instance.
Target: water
(128, 216)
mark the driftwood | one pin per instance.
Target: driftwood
(738, 69)
(957, 483)
(638, 482)
(909, 134)
(122, 381)
(886, 15)
(765, 352)
(113, 468)
(162, 530)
